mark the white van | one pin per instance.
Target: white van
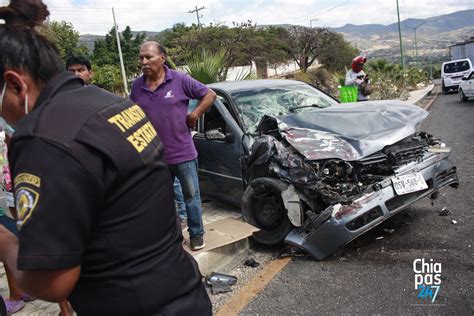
(452, 73)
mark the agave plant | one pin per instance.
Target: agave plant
(206, 67)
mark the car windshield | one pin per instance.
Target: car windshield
(254, 103)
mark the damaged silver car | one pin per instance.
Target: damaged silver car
(310, 171)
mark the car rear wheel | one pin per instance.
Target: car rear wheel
(445, 90)
(263, 207)
(462, 96)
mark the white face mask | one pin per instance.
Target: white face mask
(1, 98)
(9, 129)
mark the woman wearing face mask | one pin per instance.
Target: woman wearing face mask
(94, 198)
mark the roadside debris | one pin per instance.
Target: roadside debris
(292, 252)
(445, 212)
(378, 238)
(390, 231)
(251, 263)
(454, 222)
(220, 283)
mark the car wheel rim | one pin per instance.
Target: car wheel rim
(269, 213)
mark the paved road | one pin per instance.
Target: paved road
(375, 276)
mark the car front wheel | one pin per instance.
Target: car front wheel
(262, 206)
(462, 96)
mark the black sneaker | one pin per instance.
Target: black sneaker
(197, 243)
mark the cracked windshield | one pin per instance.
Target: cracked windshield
(254, 104)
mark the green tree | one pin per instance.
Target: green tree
(240, 44)
(306, 44)
(206, 67)
(109, 78)
(169, 36)
(336, 53)
(106, 53)
(66, 39)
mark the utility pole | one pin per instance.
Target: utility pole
(416, 45)
(197, 14)
(122, 67)
(400, 35)
(311, 22)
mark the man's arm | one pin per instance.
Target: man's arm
(54, 286)
(204, 104)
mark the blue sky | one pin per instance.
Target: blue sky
(95, 17)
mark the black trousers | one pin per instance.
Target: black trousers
(3, 308)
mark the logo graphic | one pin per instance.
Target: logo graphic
(169, 94)
(26, 200)
(427, 278)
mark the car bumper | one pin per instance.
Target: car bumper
(338, 224)
(452, 83)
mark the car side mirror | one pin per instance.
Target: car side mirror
(215, 134)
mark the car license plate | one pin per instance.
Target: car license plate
(409, 183)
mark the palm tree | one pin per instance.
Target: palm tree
(206, 67)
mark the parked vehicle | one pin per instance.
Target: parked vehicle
(310, 171)
(453, 71)
(466, 88)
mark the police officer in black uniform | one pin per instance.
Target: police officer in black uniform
(95, 201)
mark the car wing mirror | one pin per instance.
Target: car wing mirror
(215, 134)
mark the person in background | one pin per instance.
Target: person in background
(164, 95)
(357, 77)
(81, 67)
(94, 197)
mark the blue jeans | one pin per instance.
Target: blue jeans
(187, 174)
(179, 200)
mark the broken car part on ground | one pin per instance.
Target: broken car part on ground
(316, 173)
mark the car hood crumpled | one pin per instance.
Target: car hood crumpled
(350, 131)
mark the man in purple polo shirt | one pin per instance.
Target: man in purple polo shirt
(164, 95)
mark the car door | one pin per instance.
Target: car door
(470, 85)
(218, 142)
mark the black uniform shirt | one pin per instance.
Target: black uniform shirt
(91, 190)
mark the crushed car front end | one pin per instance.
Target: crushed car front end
(340, 172)
(322, 234)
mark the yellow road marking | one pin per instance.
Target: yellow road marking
(253, 287)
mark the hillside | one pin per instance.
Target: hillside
(434, 36)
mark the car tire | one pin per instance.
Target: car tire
(462, 96)
(263, 207)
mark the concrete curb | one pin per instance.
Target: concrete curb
(427, 91)
(217, 259)
(433, 92)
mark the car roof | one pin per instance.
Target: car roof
(232, 86)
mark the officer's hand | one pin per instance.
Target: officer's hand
(191, 120)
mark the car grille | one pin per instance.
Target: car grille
(403, 153)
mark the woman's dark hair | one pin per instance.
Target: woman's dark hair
(22, 47)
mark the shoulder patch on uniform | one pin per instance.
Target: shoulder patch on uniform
(27, 178)
(26, 200)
